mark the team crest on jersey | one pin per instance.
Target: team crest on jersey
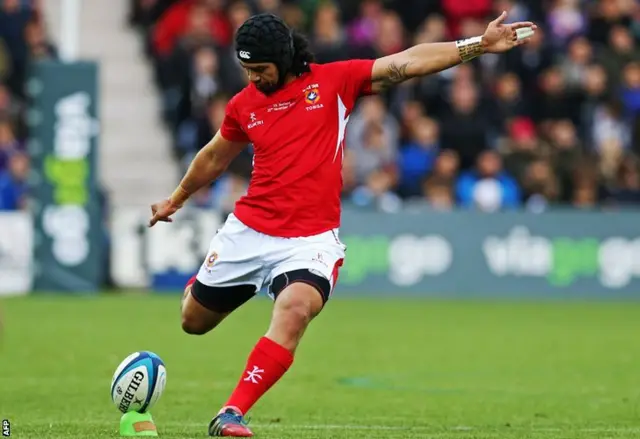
(312, 96)
(211, 259)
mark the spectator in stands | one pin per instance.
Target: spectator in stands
(293, 14)
(372, 112)
(438, 188)
(432, 30)
(464, 126)
(540, 187)
(438, 193)
(417, 156)
(211, 121)
(5, 62)
(38, 45)
(13, 183)
(574, 67)
(565, 20)
(626, 189)
(238, 12)
(565, 151)
(9, 145)
(329, 38)
(372, 155)
(197, 15)
(630, 90)
(410, 112)
(13, 20)
(620, 50)
(458, 12)
(595, 93)
(608, 14)
(611, 133)
(10, 107)
(184, 60)
(446, 166)
(272, 6)
(363, 30)
(554, 102)
(488, 187)
(509, 102)
(390, 36)
(373, 164)
(587, 191)
(199, 84)
(521, 147)
(530, 61)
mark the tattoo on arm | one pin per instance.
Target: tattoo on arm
(395, 74)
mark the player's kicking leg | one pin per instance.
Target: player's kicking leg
(299, 297)
(204, 307)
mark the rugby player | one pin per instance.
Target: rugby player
(283, 234)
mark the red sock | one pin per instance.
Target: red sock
(191, 281)
(266, 364)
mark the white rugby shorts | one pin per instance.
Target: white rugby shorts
(239, 255)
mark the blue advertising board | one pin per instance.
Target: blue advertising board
(64, 137)
(565, 254)
(557, 254)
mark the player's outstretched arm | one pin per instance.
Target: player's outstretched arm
(210, 162)
(429, 58)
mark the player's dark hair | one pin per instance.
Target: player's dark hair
(302, 55)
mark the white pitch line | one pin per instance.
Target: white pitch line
(433, 430)
(278, 426)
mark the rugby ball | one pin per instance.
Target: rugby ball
(138, 382)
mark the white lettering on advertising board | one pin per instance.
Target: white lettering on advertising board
(138, 252)
(16, 253)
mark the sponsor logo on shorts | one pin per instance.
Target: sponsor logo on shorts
(320, 259)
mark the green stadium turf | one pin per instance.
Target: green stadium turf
(366, 369)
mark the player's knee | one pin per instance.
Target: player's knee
(199, 322)
(294, 308)
(295, 312)
(194, 327)
(299, 312)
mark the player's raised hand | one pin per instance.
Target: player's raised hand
(500, 37)
(162, 212)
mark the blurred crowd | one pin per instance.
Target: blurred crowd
(23, 38)
(555, 122)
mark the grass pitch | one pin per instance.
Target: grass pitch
(366, 369)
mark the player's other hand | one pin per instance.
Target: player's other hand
(162, 212)
(500, 37)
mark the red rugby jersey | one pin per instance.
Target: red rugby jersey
(298, 137)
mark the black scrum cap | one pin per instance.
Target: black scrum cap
(266, 38)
